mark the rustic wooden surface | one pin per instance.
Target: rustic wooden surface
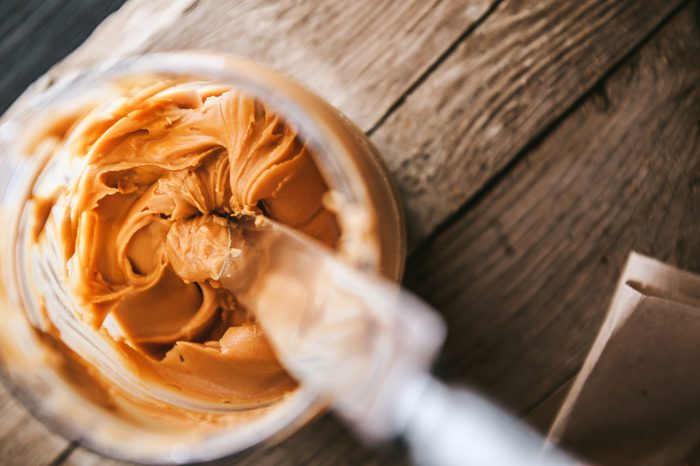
(535, 143)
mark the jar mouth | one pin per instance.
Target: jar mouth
(314, 120)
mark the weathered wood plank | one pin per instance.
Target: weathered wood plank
(553, 65)
(23, 439)
(34, 34)
(541, 416)
(359, 55)
(325, 442)
(524, 277)
(122, 33)
(519, 71)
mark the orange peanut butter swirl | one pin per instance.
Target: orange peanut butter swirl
(169, 153)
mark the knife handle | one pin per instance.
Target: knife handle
(450, 426)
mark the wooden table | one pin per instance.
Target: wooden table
(535, 143)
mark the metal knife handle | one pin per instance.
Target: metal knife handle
(450, 426)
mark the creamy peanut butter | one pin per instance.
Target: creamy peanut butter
(114, 178)
(163, 169)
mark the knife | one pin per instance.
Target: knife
(366, 346)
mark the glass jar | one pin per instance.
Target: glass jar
(365, 202)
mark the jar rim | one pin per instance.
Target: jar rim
(333, 155)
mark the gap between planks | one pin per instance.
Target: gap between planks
(656, 63)
(550, 400)
(500, 174)
(433, 66)
(63, 455)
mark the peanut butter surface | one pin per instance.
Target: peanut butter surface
(164, 154)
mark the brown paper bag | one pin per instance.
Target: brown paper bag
(637, 398)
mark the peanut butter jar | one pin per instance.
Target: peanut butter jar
(100, 339)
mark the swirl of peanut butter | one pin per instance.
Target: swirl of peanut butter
(168, 152)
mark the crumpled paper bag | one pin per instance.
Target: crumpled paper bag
(637, 398)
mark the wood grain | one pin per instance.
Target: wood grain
(360, 55)
(34, 34)
(524, 277)
(121, 34)
(519, 70)
(452, 92)
(324, 442)
(542, 415)
(510, 79)
(23, 439)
